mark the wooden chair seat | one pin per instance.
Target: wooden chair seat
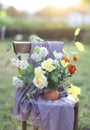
(24, 47)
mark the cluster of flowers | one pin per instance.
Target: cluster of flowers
(50, 72)
(60, 65)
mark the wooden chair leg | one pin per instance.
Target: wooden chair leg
(76, 117)
(35, 128)
(24, 125)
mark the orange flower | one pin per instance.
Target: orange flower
(72, 68)
(66, 59)
(75, 58)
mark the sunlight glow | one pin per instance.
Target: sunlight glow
(35, 5)
(65, 3)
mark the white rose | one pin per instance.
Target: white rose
(40, 81)
(43, 52)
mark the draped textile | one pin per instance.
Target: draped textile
(50, 115)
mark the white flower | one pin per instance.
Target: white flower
(56, 63)
(43, 52)
(36, 57)
(39, 54)
(57, 55)
(17, 82)
(40, 81)
(14, 61)
(23, 64)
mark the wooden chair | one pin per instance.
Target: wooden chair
(24, 47)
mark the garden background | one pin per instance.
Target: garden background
(49, 23)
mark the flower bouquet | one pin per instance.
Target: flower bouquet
(50, 72)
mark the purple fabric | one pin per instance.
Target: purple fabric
(56, 115)
(50, 115)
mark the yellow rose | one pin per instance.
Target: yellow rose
(48, 65)
(40, 81)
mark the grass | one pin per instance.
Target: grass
(7, 91)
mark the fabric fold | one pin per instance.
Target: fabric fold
(50, 115)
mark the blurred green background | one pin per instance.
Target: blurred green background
(49, 23)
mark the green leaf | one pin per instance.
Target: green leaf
(30, 68)
(25, 80)
(8, 62)
(30, 81)
(46, 89)
(36, 49)
(8, 47)
(34, 91)
(21, 71)
(55, 78)
(28, 95)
